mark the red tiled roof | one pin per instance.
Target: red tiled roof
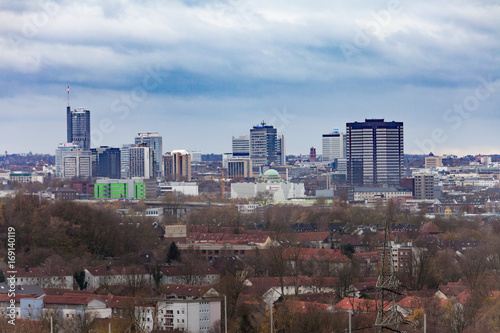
(183, 290)
(305, 307)
(69, 299)
(41, 272)
(325, 281)
(307, 236)
(412, 302)
(239, 237)
(208, 237)
(7, 298)
(374, 256)
(359, 304)
(350, 239)
(57, 291)
(429, 227)
(452, 288)
(258, 238)
(117, 270)
(464, 296)
(180, 271)
(331, 255)
(123, 302)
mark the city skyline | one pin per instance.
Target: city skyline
(186, 69)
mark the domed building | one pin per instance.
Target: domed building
(270, 181)
(271, 176)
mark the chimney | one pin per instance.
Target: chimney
(26, 269)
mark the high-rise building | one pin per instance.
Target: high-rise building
(125, 160)
(177, 165)
(280, 150)
(78, 127)
(73, 161)
(263, 145)
(106, 162)
(195, 156)
(154, 141)
(241, 146)
(141, 159)
(334, 146)
(375, 152)
(424, 186)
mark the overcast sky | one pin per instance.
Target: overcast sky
(200, 72)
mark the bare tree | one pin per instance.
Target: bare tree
(264, 197)
(82, 322)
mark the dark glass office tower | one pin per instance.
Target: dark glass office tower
(375, 152)
(106, 162)
(78, 127)
(263, 145)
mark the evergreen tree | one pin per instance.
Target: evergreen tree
(157, 275)
(80, 279)
(173, 253)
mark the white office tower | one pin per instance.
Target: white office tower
(334, 146)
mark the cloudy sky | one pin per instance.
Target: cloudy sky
(200, 72)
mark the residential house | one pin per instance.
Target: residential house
(188, 314)
(133, 276)
(323, 262)
(189, 274)
(70, 306)
(45, 277)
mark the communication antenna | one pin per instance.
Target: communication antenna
(388, 283)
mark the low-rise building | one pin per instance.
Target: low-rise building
(26, 177)
(120, 189)
(271, 182)
(134, 276)
(371, 194)
(189, 274)
(185, 188)
(52, 277)
(188, 315)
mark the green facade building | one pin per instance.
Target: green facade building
(119, 189)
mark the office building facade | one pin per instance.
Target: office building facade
(153, 140)
(375, 152)
(424, 186)
(280, 150)
(432, 162)
(263, 145)
(73, 161)
(106, 162)
(177, 165)
(241, 146)
(78, 127)
(141, 160)
(125, 160)
(334, 146)
(239, 168)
